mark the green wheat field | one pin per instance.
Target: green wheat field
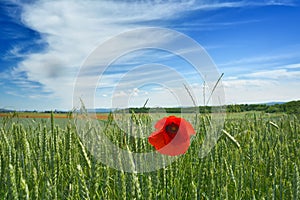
(46, 159)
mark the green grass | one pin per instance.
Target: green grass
(46, 159)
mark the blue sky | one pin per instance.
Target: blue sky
(256, 44)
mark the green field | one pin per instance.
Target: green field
(46, 159)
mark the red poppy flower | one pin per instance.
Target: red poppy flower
(172, 136)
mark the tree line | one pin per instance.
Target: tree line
(292, 107)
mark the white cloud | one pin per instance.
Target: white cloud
(259, 59)
(247, 83)
(238, 4)
(279, 84)
(258, 91)
(72, 29)
(164, 97)
(292, 66)
(276, 74)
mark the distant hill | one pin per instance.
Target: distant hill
(3, 110)
(103, 110)
(274, 103)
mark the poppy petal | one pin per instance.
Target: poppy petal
(172, 149)
(188, 126)
(167, 137)
(157, 140)
(181, 136)
(173, 119)
(161, 123)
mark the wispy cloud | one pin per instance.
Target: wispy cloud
(258, 91)
(292, 66)
(72, 29)
(276, 74)
(260, 59)
(239, 4)
(279, 83)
